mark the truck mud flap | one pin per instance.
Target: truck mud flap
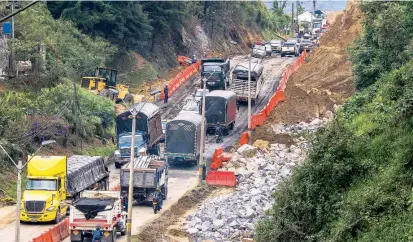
(221, 178)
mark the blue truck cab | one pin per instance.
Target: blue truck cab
(122, 154)
(148, 132)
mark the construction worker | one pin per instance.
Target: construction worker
(97, 234)
(165, 91)
(158, 195)
(218, 133)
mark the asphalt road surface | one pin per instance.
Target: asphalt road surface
(181, 178)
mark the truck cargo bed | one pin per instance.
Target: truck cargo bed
(84, 171)
(149, 172)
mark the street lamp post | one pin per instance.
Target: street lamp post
(134, 112)
(202, 163)
(20, 167)
(249, 99)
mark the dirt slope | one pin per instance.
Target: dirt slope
(326, 79)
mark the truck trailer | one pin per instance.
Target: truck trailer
(148, 132)
(240, 81)
(150, 172)
(103, 208)
(220, 107)
(54, 181)
(183, 138)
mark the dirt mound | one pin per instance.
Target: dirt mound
(326, 79)
(155, 231)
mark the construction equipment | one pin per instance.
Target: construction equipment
(105, 83)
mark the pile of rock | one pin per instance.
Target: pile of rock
(300, 127)
(231, 217)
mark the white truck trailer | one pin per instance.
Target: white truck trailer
(103, 208)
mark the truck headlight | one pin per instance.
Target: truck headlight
(117, 153)
(51, 208)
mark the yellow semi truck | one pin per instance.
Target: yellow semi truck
(53, 181)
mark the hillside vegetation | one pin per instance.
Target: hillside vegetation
(356, 184)
(140, 39)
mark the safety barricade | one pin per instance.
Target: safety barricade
(64, 229)
(180, 79)
(244, 139)
(217, 159)
(221, 178)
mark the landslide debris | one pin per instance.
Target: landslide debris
(321, 83)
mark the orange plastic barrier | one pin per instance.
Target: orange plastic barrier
(183, 60)
(217, 159)
(181, 78)
(244, 138)
(221, 178)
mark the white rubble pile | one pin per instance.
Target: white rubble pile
(301, 127)
(231, 217)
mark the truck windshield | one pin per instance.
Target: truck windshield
(38, 184)
(212, 68)
(128, 139)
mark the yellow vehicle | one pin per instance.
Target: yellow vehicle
(52, 181)
(104, 83)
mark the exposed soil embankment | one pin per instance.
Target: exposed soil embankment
(321, 83)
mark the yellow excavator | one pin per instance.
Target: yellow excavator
(104, 83)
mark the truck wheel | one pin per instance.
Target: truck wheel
(225, 132)
(117, 165)
(58, 217)
(123, 230)
(282, 55)
(231, 126)
(129, 99)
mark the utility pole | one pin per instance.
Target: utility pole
(297, 5)
(249, 99)
(202, 163)
(314, 1)
(131, 174)
(20, 167)
(18, 200)
(292, 19)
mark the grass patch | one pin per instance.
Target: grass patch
(103, 150)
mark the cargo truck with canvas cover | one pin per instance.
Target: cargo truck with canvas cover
(52, 181)
(97, 208)
(216, 73)
(220, 107)
(183, 137)
(148, 132)
(150, 172)
(240, 80)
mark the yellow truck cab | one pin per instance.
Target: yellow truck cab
(51, 180)
(43, 199)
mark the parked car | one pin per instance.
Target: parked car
(289, 48)
(199, 93)
(259, 52)
(276, 45)
(268, 49)
(305, 44)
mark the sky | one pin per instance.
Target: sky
(332, 5)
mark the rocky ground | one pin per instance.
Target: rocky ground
(231, 217)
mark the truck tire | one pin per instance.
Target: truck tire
(129, 99)
(58, 217)
(117, 165)
(225, 132)
(282, 55)
(231, 126)
(123, 231)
